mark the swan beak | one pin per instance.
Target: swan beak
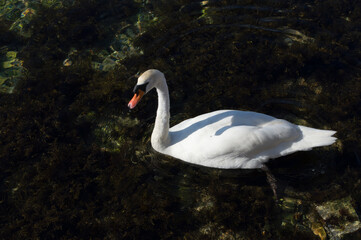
(136, 98)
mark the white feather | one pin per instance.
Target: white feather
(228, 138)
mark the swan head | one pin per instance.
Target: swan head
(146, 82)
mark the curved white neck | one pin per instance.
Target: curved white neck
(160, 138)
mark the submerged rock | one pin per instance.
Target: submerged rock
(292, 35)
(340, 217)
(329, 220)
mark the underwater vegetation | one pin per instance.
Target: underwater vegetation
(76, 164)
(11, 71)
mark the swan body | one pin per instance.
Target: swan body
(226, 138)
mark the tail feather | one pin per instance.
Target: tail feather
(311, 137)
(316, 138)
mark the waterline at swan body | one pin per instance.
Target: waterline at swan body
(225, 138)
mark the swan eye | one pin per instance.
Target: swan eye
(140, 87)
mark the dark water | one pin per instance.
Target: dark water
(77, 164)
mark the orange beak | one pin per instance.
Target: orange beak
(136, 98)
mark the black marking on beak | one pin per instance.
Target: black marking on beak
(140, 87)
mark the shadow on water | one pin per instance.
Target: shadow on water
(75, 163)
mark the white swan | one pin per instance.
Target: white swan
(224, 138)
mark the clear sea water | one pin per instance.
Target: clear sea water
(75, 163)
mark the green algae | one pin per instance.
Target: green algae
(11, 70)
(76, 163)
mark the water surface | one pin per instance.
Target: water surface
(77, 164)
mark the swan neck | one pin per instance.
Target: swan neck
(160, 136)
